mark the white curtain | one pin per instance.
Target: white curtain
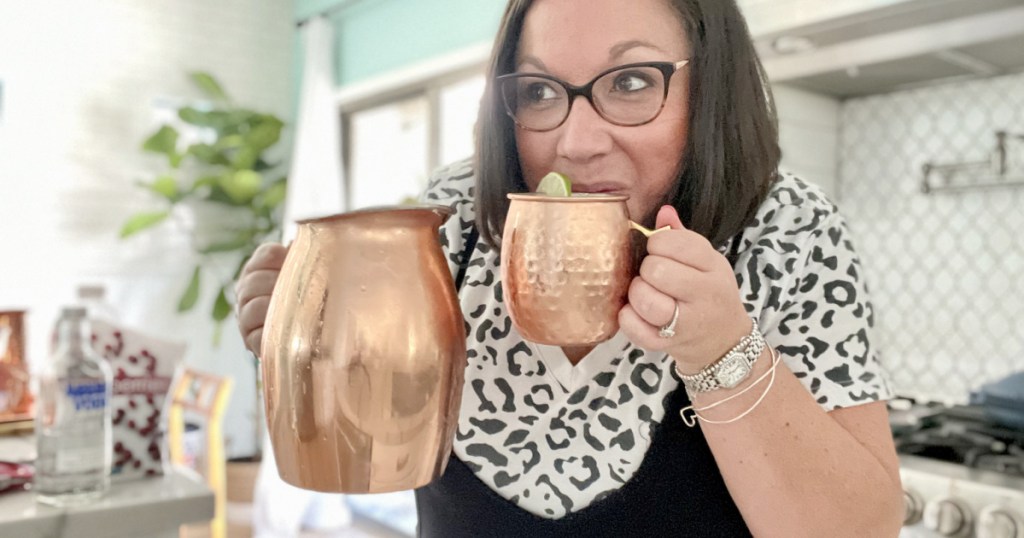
(314, 189)
(315, 181)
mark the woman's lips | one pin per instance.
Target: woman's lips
(598, 188)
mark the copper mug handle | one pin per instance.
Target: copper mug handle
(647, 231)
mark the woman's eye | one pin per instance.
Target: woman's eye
(538, 92)
(631, 82)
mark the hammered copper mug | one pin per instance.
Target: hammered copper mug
(566, 266)
(364, 352)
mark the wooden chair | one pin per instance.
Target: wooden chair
(206, 395)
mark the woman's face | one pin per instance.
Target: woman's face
(575, 40)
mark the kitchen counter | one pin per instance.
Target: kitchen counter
(149, 507)
(139, 508)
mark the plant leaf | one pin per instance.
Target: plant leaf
(233, 141)
(164, 141)
(218, 195)
(207, 154)
(191, 295)
(242, 117)
(245, 158)
(218, 330)
(265, 134)
(194, 116)
(209, 85)
(241, 185)
(140, 221)
(227, 246)
(261, 165)
(217, 120)
(205, 181)
(275, 194)
(165, 186)
(221, 307)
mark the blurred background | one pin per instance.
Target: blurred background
(909, 113)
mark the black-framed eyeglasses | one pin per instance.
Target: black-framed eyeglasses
(627, 95)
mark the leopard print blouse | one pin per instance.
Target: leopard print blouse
(554, 438)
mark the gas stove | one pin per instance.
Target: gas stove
(963, 475)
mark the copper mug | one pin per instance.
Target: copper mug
(15, 397)
(566, 266)
(364, 352)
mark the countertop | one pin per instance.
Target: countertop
(149, 507)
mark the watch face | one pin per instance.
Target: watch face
(733, 369)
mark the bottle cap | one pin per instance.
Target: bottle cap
(73, 312)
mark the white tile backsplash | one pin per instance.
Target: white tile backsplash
(944, 268)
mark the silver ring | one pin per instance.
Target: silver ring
(668, 330)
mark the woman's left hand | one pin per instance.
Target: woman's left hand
(683, 268)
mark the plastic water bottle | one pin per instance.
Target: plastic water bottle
(73, 422)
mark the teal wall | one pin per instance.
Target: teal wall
(377, 36)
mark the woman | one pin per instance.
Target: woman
(757, 273)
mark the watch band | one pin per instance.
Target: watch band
(731, 369)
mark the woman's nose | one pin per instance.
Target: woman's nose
(584, 134)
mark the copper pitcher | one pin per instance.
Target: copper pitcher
(566, 265)
(364, 352)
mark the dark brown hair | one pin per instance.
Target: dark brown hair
(732, 155)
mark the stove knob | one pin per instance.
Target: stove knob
(913, 507)
(948, 517)
(996, 522)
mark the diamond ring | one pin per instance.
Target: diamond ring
(668, 330)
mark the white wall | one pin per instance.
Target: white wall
(79, 79)
(809, 135)
(808, 122)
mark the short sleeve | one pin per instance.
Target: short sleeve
(823, 328)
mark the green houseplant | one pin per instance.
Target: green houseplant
(228, 172)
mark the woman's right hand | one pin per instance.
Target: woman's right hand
(253, 289)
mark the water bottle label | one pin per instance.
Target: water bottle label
(87, 396)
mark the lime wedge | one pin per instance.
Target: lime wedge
(555, 184)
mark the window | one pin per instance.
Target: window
(392, 144)
(388, 152)
(459, 105)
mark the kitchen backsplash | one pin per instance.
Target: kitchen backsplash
(946, 269)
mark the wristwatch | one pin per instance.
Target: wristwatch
(731, 369)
